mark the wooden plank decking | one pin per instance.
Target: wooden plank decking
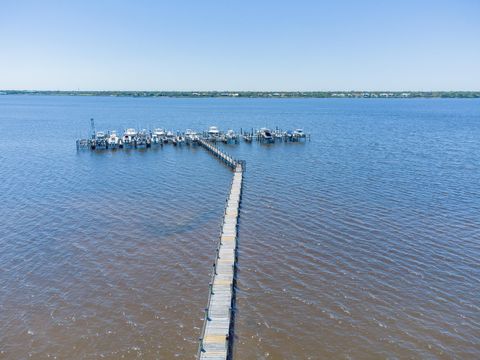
(215, 341)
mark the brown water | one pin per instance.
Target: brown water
(362, 243)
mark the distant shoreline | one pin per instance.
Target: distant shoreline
(257, 94)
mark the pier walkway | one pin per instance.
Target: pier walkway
(217, 333)
(227, 159)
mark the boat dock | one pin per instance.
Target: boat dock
(217, 332)
(133, 138)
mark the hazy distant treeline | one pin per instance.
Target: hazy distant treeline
(260, 94)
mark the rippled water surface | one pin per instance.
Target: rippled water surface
(362, 243)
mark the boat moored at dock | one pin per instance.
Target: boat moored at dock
(169, 137)
(266, 135)
(100, 140)
(158, 136)
(191, 136)
(113, 141)
(299, 134)
(213, 133)
(143, 139)
(278, 134)
(179, 139)
(247, 137)
(129, 137)
(230, 137)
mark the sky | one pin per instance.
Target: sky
(243, 45)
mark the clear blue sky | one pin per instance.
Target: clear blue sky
(240, 45)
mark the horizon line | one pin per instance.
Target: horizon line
(242, 91)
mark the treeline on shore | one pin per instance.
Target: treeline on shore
(258, 94)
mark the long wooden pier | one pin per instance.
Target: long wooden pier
(217, 332)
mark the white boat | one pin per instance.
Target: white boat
(100, 139)
(191, 136)
(230, 136)
(170, 136)
(299, 133)
(278, 134)
(113, 140)
(213, 132)
(158, 135)
(129, 136)
(142, 139)
(266, 135)
(247, 137)
(180, 139)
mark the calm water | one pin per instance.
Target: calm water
(363, 243)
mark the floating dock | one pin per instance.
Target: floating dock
(217, 332)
